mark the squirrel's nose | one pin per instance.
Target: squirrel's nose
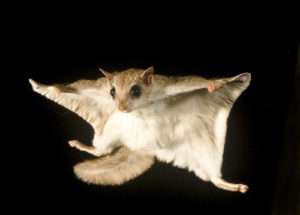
(122, 107)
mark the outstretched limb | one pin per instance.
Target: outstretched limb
(87, 98)
(82, 147)
(174, 86)
(191, 83)
(96, 151)
(221, 183)
(102, 145)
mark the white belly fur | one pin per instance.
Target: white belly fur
(175, 136)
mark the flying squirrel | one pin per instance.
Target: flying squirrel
(138, 116)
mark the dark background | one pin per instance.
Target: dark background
(52, 50)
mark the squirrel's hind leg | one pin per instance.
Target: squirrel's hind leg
(82, 147)
(221, 183)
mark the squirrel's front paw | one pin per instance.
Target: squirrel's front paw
(214, 85)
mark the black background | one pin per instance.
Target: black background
(52, 50)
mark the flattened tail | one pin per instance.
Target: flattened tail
(113, 169)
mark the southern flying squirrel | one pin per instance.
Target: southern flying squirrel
(138, 116)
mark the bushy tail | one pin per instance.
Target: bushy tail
(113, 169)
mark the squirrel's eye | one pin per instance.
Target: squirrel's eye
(136, 90)
(113, 92)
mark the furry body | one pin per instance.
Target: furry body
(175, 133)
(174, 120)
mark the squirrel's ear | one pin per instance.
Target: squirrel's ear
(108, 75)
(146, 75)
